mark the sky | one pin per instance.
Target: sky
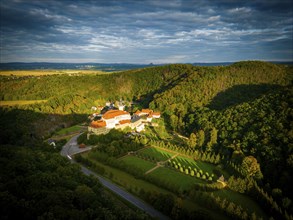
(150, 31)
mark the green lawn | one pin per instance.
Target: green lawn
(138, 162)
(126, 180)
(176, 178)
(74, 128)
(158, 154)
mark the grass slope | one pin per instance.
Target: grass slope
(156, 153)
(180, 180)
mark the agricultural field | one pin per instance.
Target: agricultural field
(20, 73)
(20, 102)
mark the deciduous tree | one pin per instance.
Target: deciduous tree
(251, 167)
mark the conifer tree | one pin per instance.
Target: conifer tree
(213, 139)
(201, 138)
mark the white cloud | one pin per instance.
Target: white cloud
(143, 30)
(240, 10)
(214, 18)
(47, 14)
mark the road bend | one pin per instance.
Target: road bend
(71, 148)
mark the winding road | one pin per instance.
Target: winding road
(71, 148)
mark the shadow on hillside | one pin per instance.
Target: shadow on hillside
(145, 99)
(25, 127)
(240, 94)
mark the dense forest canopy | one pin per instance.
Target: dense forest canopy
(241, 111)
(39, 184)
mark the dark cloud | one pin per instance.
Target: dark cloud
(145, 31)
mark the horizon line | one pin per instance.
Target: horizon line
(151, 63)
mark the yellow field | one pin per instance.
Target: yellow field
(48, 72)
(20, 102)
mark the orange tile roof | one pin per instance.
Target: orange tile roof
(146, 111)
(98, 124)
(124, 122)
(114, 113)
(137, 112)
(156, 113)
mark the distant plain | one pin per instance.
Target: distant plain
(20, 73)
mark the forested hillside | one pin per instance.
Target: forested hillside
(262, 128)
(68, 94)
(37, 183)
(242, 112)
(218, 88)
(172, 84)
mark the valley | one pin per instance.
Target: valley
(222, 148)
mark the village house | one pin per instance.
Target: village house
(143, 112)
(150, 114)
(156, 114)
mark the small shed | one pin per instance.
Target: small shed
(52, 142)
(82, 145)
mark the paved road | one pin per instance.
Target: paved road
(71, 148)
